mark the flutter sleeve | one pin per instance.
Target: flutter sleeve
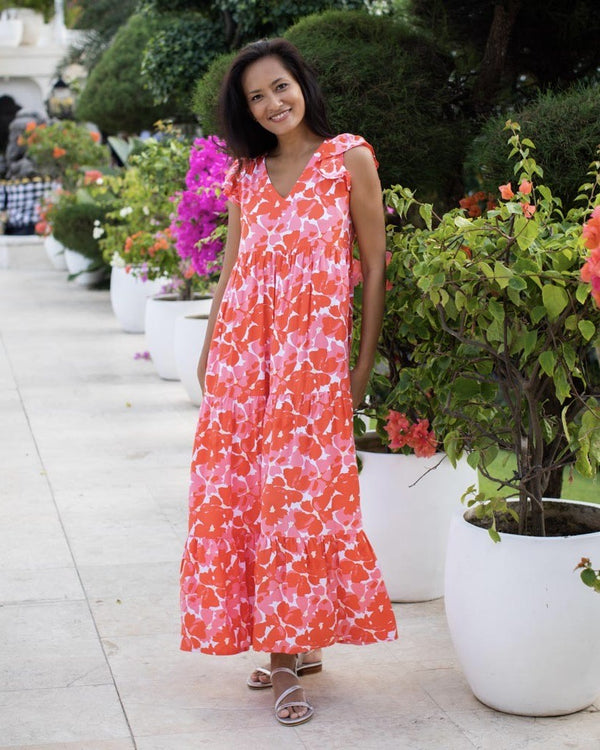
(231, 183)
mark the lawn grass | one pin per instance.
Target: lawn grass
(575, 487)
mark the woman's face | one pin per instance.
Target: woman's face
(273, 95)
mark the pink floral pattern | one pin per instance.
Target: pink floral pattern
(276, 557)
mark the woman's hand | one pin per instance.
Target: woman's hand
(359, 378)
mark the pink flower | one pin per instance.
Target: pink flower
(506, 191)
(421, 439)
(590, 274)
(397, 426)
(525, 187)
(591, 230)
(528, 210)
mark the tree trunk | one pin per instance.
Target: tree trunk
(494, 57)
(555, 480)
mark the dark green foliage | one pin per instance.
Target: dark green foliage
(546, 42)
(114, 97)
(45, 7)
(73, 224)
(179, 54)
(101, 19)
(388, 83)
(565, 128)
(206, 94)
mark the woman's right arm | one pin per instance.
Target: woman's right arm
(232, 245)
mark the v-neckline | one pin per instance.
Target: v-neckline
(300, 176)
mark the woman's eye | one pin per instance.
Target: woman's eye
(281, 86)
(255, 98)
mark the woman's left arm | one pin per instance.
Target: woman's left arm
(366, 209)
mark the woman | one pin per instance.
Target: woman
(276, 558)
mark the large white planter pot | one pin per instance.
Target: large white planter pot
(524, 626)
(407, 514)
(55, 252)
(11, 31)
(161, 313)
(78, 264)
(190, 331)
(128, 295)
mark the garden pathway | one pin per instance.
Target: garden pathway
(94, 452)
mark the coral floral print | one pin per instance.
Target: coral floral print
(276, 557)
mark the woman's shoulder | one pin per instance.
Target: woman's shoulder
(343, 145)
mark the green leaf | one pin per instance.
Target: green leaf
(588, 576)
(473, 459)
(517, 283)
(529, 342)
(547, 362)
(426, 210)
(459, 300)
(501, 274)
(555, 300)
(587, 329)
(494, 536)
(582, 293)
(537, 314)
(561, 384)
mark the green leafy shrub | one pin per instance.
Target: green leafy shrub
(113, 97)
(490, 322)
(206, 93)
(73, 219)
(564, 126)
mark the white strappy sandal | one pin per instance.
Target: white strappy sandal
(279, 704)
(301, 669)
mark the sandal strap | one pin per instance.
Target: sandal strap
(285, 694)
(283, 669)
(263, 670)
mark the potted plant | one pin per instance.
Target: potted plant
(74, 218)
(503, 325)
(140, 235)
(410, 489)
(198, 226)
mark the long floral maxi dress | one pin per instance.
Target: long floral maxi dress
(276, 557)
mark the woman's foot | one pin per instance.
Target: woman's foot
(285, 680)
(262, 678)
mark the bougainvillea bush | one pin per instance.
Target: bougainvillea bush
(489, 333)
(200, 209)
(158, 230)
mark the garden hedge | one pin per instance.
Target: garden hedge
(565, 127)
(114, 98)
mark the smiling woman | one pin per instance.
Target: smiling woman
(277, 558)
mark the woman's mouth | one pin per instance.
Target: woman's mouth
(280, 116)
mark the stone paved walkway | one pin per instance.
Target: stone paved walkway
(94, 452)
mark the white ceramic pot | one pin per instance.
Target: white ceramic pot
(11, 31)
(406, 515)
(524, 626)
(190, 331)
(78, 264)
(128, 294)
(161, 313)
(55, 252)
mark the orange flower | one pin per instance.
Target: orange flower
(20, 141)
(95, 136)
(30, 126)
(58, 152)
(91, 176)
(528, 210)
(591, 230)
(506, 191)
(525, 187)
(474, 211)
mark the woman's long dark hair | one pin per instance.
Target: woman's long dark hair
(247, 139)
